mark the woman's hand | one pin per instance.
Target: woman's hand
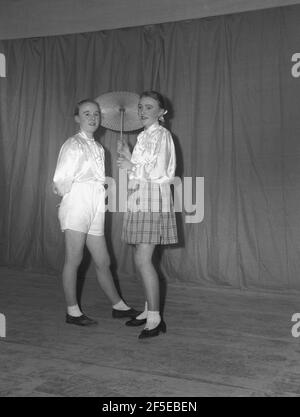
(56, 190)
(123, 149)
(124, 163)
(62, 190)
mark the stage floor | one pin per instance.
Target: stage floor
(219, 342)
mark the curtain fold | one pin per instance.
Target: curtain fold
(234, 109)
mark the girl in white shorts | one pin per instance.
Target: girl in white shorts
(79, 179)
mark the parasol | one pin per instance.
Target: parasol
(119, 111)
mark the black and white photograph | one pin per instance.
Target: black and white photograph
(149, 201)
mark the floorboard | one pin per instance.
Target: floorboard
(219, 342)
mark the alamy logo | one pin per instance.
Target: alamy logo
(296, 326)
(2, 66)
(296, 67)
(188, 197)
(2, 325)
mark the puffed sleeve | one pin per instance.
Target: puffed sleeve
(66, 167)
(161, 164)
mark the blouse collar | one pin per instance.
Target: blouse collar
(85, 136)
(152, 127)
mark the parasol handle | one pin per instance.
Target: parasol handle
(122, 110)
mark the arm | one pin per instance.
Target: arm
(160, 165)
(66, 167)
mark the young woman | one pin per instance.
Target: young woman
(79, 179)
(150, 219)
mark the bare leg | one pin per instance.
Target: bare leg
(143, 261)
(74, 244)
(98, 250)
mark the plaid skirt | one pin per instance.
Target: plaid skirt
(150, 217)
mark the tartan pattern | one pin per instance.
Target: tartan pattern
(149, 223)
(149, 196)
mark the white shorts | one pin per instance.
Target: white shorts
(83, 208)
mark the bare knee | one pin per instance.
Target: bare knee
(74, 244)
(141, 260)
(102, 263)
(73, 260)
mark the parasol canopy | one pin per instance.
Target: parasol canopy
(119, 111)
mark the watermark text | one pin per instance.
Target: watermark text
(187, 195)
(296, 67)
(2, 65)
(2, 325)
(296, 326)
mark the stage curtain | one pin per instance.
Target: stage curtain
(235, 118)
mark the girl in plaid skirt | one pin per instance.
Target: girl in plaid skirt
(150, 219)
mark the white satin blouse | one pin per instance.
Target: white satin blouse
(81, 159)
(154, 156)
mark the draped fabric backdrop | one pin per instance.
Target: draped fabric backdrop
(235, 120)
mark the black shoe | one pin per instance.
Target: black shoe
(153, 332)
(80, 321)
(135, 322)
(120, 314)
